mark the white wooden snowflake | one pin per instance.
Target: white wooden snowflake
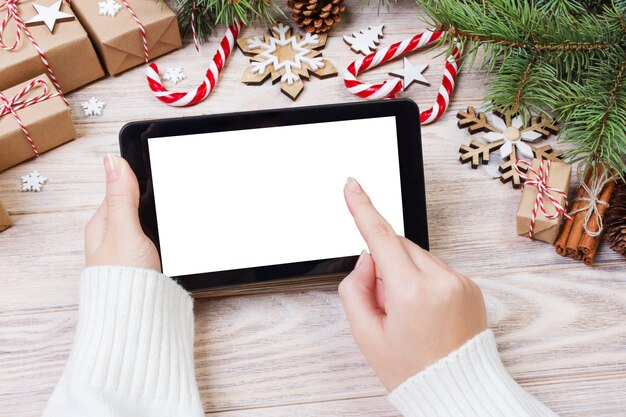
(33, 181)
(286, 57)
(93, 107)
(109, 8)
(513, 135)
(365, 41)
(174, 75)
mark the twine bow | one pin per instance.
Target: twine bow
(593, 200)
(11, 13)
(20, 27)
(540, 181)
(12, 105)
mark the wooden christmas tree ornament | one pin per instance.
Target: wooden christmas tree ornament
(287, 58)
(365, 41)
(317, 16)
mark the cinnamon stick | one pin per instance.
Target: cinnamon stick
(588, 246)
(577, 231)
(561, 241)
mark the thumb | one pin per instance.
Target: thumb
(122, 196)
(358, 296)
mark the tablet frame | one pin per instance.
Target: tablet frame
(133, 139)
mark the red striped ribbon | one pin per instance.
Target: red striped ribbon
(12, 105)
(541, 182)
(20, 27)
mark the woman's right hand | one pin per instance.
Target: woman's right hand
(406, 308)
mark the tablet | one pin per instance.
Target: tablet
(254, 197)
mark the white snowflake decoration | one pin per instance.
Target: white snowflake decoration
(365, 41)
(512, 135)
(33, 181)
(270, 48)
(174, 75)
(93, 107)
(109, 8)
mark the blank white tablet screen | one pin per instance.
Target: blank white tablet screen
(247, 198)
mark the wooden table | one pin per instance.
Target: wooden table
(560, 325)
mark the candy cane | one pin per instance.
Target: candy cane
(180, 99)
(389, 88)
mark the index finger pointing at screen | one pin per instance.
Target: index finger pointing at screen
(388, 252)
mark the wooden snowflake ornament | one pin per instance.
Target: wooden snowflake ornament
(505, 133)
(287, 58)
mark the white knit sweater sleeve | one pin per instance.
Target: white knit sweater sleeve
(133, 350)
(469, 382)
(133, 357)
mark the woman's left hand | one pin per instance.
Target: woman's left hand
(114, 236)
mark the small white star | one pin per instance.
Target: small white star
(410, 74)
(49, 16)
(93, 107)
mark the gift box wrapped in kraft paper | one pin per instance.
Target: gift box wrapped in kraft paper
(119, 39)
(5, 220)
(67, 48)
(33, 119)
(556, 177)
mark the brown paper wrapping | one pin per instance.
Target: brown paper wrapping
(48, 123)
(118, 39)
(5, 220)
(545, 229)
(68, 50)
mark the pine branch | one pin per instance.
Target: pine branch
(563, 57)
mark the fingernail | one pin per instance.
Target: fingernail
(354, 184)
(358, 261)
(111, 167)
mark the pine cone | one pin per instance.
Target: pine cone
(615, 221)
(317, 16)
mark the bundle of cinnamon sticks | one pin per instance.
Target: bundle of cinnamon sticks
(574, 241)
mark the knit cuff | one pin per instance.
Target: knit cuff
(133, 348)
(469, 382)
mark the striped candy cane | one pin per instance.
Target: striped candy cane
(180, 99)
(390, 88)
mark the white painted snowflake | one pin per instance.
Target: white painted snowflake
(269, 56)
(513, 135)
(174, 75)
(285, 57)
(33, 181)
(109, 8)
(93, 107)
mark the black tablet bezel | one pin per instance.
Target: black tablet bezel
(134, 148)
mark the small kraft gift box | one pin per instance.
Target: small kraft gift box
(140, 30)
(544, 199)
(34, 118)
(5, 220)
(37, 38)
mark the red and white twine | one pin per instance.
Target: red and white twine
(389, 88)
(20, 27)
(183, 99)
(16, 103)
(142, 30)
(540, 181)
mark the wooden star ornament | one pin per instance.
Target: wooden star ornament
(49, 15)
(411, 74)
(287, 58)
